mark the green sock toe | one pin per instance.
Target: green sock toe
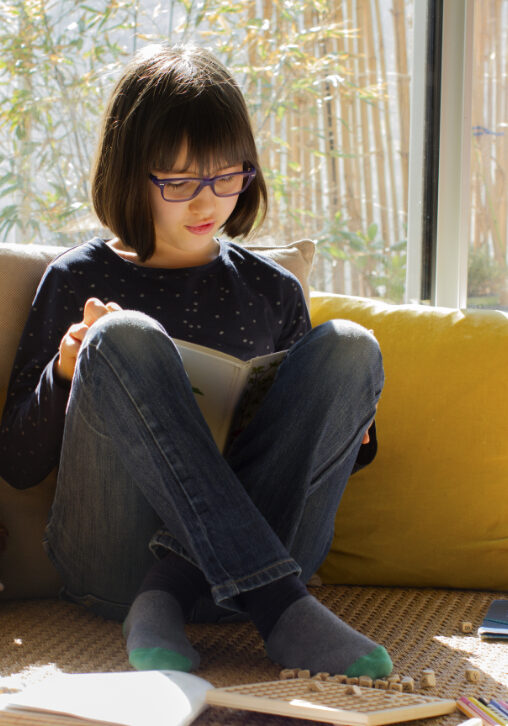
(158, 659)
(376, 664)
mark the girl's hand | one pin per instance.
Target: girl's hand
(366, 436)
(71, 342)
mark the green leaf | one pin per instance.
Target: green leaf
(372, 232)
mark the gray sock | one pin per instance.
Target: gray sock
(154, 629)
(309, 636)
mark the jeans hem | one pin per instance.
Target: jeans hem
(162, 541)
(224, 593)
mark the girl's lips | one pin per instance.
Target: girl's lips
(200, 228)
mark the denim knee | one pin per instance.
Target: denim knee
(131, 336)
(347, 349)
(127, 328)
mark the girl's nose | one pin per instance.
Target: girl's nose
(204, 200)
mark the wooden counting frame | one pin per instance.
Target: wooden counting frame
(331, 703)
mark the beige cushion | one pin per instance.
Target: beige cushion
(21, 268)
(296, 257)
(24, 568)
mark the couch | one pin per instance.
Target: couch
(431, 511)
(421, 541)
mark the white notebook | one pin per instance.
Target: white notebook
(133, 698)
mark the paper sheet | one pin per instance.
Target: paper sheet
(137, 698)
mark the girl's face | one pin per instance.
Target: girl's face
(184, 231)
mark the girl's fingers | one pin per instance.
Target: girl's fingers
(68, 352)
(72, 340)
(95, 309)
(77, 331)
(70, 347)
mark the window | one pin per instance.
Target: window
(457, 250)
(330, 88)
(487, 284)
(337, 144)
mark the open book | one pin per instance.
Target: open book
(228, 390)
(130, 698)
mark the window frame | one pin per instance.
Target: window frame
(438, 214)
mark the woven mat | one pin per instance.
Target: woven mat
(420, 629)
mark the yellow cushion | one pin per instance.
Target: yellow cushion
(432, 509)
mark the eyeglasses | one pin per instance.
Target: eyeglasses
(224, 185)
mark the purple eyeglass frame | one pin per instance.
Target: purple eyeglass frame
(203, 182)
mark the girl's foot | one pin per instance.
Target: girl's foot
(154, 627)
(308, 636)
(156, 640)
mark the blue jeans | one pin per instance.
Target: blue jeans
(138, 458)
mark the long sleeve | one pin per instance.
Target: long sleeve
(34, 413)
(294, 315)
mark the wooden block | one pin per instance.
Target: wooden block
(354, 691)
(303, 674)
(352, 681)
(466, 626)
(428, 679)
(287, 673)
(339, 678)
(365, 681)
(315, 685)
(408, 684)
(322, 676)
(395, 687)
(394, 677)
(381, 683)
(473, 675)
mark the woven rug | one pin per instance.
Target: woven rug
(420, 628)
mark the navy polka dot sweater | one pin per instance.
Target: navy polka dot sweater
(240, 303)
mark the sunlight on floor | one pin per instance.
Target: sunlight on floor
(488, 657)
(32, 674)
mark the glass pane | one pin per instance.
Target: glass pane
(333, 125)
(488, 270)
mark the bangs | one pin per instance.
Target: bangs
(213, 136)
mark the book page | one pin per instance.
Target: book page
(137, 698)
(219, 380)
(217, 383)
(259, 380)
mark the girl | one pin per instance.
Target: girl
(139, 472)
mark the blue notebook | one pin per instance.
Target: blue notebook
(495, 622)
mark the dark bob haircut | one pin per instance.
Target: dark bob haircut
(168, 97)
